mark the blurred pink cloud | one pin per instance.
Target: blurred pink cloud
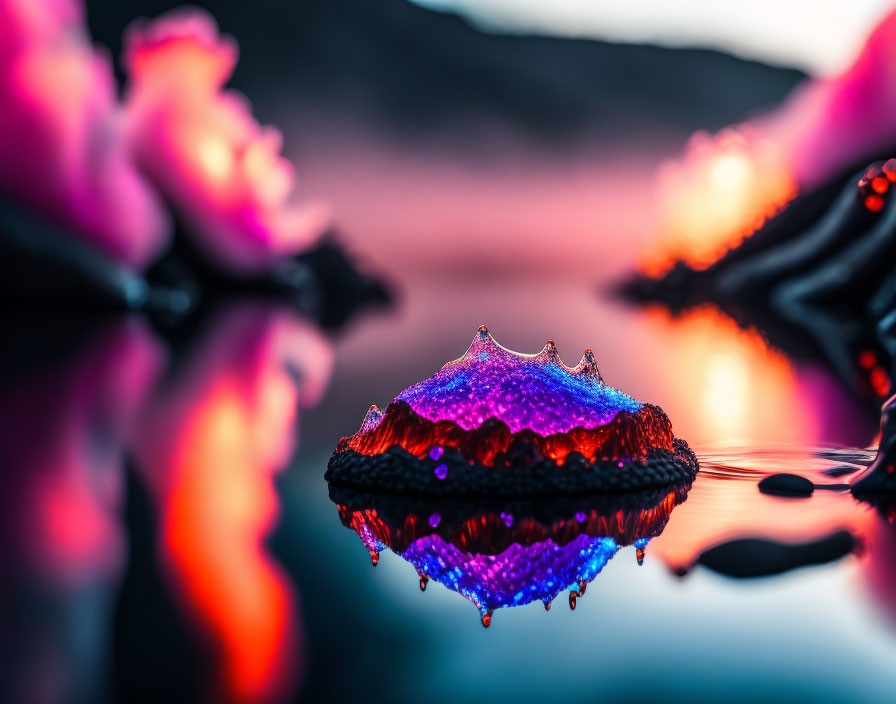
(221, 171)
(62, 149)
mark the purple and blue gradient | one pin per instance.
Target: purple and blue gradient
(517, 576)
(537, 392)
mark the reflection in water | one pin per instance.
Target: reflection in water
(732, 386)
(210, 442)
(729, 526)
(503, 555)
(507, 555)
(726, 505)
(213, 429)
(63, 430)
(209, 437)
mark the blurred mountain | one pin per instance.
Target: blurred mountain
(415, 70)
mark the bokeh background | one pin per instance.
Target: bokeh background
(168, 534)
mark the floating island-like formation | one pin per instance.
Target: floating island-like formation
(502, 554)
(500, 423)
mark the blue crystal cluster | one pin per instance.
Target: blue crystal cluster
(517, 576)
(537, 392)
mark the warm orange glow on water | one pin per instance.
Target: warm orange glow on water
(726, 385)
(722, 509)
(212, 441)
(220, 507)
(721, 191)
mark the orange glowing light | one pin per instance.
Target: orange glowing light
(215, 158)
(724, 188)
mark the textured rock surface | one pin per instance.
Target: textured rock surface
(499, 423)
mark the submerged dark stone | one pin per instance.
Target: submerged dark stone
(790, 485)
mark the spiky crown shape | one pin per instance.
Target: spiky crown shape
(492, 398)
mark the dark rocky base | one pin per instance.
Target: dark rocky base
(43, 267)
(397, 471)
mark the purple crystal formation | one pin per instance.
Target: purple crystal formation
(537, 391)
(518, 575)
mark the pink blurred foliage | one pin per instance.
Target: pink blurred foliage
(828, 124)
(724, 186)
(221, 171)
(100, 169)
(62, 148)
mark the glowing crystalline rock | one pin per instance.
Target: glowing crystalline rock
(558, 429)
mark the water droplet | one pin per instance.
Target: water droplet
(487, 619)
(441, 471)
(423, 581)
(434, 520)
(547, 605)
(572, 600)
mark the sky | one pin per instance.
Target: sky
(818, 36)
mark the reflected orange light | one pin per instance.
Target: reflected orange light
(721, 191)
(218, 512)
(212, 440)
(726, 385)
(719, 510)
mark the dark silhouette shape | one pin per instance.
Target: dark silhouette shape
(880, 477)
(753, 557)
(789, 485)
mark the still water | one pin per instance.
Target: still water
(168, 534)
